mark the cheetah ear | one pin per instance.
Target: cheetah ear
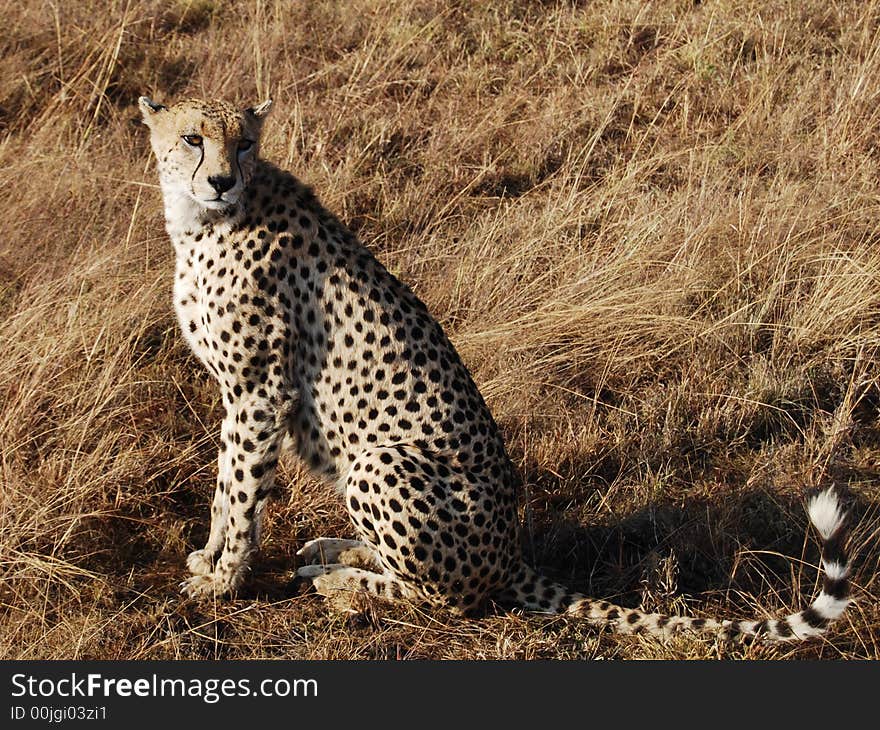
(149, 109)
(260, 110)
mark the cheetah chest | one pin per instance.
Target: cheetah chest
(196, 304)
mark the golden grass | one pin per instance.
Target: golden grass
(649, 228)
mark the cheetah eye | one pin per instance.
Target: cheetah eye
(245, 144)
(193, 140)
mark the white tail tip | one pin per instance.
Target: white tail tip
(825, 513)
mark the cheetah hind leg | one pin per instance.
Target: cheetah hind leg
(342, 584)
(324, 550)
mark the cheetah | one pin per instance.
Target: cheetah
(310, 338)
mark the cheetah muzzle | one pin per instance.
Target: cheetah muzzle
(308, 334)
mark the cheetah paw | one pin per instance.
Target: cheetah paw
(326, 549)
(205, 586)
(200, 562)
(313, 571)
(329, 581)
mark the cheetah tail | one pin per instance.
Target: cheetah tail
(536, 593)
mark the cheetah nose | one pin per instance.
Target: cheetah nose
(221, 183)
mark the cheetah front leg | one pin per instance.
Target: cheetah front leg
(201, 562)
(250, 440)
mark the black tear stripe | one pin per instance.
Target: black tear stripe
(240, 172)
(201, 160)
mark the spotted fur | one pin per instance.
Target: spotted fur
(308, 335)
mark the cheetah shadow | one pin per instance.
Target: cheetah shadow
(744, 545)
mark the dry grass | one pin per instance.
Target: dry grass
(649, 228)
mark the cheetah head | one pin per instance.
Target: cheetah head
(206, 150)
